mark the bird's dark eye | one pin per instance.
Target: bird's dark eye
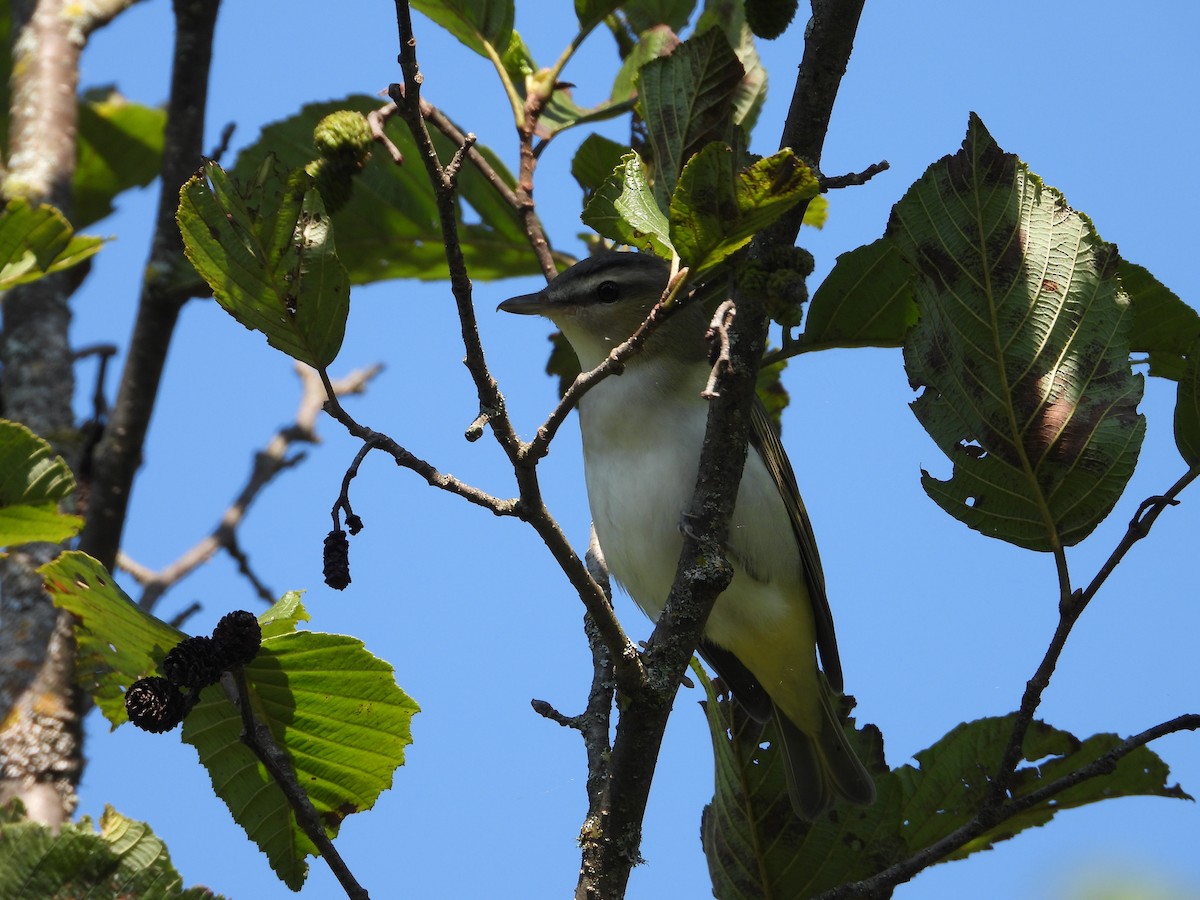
(608, 292)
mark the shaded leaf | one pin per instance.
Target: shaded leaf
(595, 160)
(117, 641)
(390, 228)
(716, 209)
(751, 93)
(338, 713)
(1021, 352)
(654, 43)
(120, 146)
(32, 483)
(36, 241)
(865, 301)
(267, 252)
(482, 25)
(643, 15)
(624, 210)
(1187, 408)
(123, 859)
(771, 392)
(1163, 325)
(687, 100)
(591, 12)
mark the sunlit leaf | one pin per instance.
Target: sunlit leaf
(624, 210)
(120, 146)
(123, 859)
(267, 252)
(36, 241)
(658, 41)
(717, 209)
(32, 483)
(1021, 352)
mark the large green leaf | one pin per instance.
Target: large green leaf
(483, 25)
(32, 483)
(117, 641)
(268, 254)
(687, 100)
(343, 721)
(716, 209)
(123, 859)
(1187, 408)
(865, 301)
(120, 146)
(624, 210)
(756, 847)
(38, 240)
(390, 227)
(1021, 353)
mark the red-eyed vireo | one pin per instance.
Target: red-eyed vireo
(642, 433)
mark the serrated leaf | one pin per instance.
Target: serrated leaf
(624, 210)
(687, 101)
(716, 210)
(284, 615)
(751, 93)
(120, 146)
(1187, 408)
(32, 483)
(1164, 327)
(269, 257)
(36, 241)
(1021, 353)
(123, 859)
(390, 228)
(482, 25)
(117, 641)
(338, 713)
(865, 301)
(754, 843)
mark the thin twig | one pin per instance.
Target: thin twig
(854, 179)
(718, 330)
(257, 736)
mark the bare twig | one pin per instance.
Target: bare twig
(257, 736)
(222, 147)
(854, 179)
(718, 331)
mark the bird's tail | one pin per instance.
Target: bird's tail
(822, 769)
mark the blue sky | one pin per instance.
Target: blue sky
(936, 623)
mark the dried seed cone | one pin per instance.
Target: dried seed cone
(237, 638)
(337, 560)
(154, 704)
(193, 663)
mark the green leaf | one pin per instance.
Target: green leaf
(595, 160)
(390, 228)
(268, 255)
(657, 42)
(642, 15)
(337, 712)
(816, 214)
(624, 210)
(592, 12)
(123, 859)
(751, 93)
(1021, 352)
(32, 482)
(120, 146)
(36, 241)
(1163, 325)
(954, 775)
(687, 101)
(1187, 408)
(716, 209)
(283, 617)
(865, 301)
(771, 392)
(482, 25)
(118, 642)
(755, 845)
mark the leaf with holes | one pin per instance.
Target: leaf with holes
(716, 209)
(267, 252)
(117, 641)
(1164, 327)
(624, 210)
(32, 483)
(337, 712)
(1187, 408)
(1021, 352)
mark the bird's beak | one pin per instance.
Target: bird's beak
(527, 305)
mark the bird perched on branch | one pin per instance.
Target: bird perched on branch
(642, 433)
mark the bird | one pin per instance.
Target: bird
(642, 432)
